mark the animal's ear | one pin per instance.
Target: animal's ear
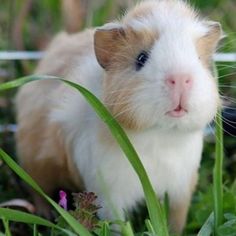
(107, 42)
(207, 44)
(214, 33)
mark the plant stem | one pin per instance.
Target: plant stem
(6, 226)
(217, 173)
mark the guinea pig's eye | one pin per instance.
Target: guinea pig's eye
(141, 60)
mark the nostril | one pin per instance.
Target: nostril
(188, 82)
(171, 82)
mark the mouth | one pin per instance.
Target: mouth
(178, 112)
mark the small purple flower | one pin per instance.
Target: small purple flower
(63, 199)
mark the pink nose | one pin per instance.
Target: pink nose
(180, 82)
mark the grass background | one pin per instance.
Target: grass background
(32, 32)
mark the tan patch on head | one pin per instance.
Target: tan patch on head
(207, 44)
(117, 49)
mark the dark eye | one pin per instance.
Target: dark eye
(141, 60)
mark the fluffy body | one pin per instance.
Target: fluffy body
(61, 142)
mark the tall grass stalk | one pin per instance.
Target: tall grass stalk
(218, 167)
(27, 218)
(155, 210)
(6, 226)
(217, 173)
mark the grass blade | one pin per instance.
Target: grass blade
(149, 227)
(34, 230)
(19, 216)
(127, 230)
(76, 226)
(217, 174)
(23, 217)
(105, 229)
(157, 216)
(218, 167)
(6, 226)
(208, 226)
(23, 80)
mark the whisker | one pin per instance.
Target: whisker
(230, 99)
(226, 75)
(123, 111)
(139, 88)
(228, 113)
(232, 108)
(229, 122)
(224, 129)
(227, 86)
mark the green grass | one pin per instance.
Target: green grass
(218, 174)
(156, 212)
(157, 225)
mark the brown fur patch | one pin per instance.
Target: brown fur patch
(118, 100)
(42, 150)
(178, 212)
(116, 51)
(207, 44)
(40, 143)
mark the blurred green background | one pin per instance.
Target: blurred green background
(30, 24)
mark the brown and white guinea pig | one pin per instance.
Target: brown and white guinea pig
(152, 69)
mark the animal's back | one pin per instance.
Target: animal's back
(40, 142)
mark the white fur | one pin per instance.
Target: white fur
(170, 149)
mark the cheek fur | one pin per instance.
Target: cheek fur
(118, 98)
(203, 102)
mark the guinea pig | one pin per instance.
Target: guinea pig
(153, 71)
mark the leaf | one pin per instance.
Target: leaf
(127, 229)
(218, 169)
(149, 227)
(105, 229)
(6, 226)
(23, 80)
(227, 229)
(207, 228)
(229, 216)
(19, 216)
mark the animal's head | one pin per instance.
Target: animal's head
(158, 66)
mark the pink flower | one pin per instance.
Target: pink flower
(63, 199)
